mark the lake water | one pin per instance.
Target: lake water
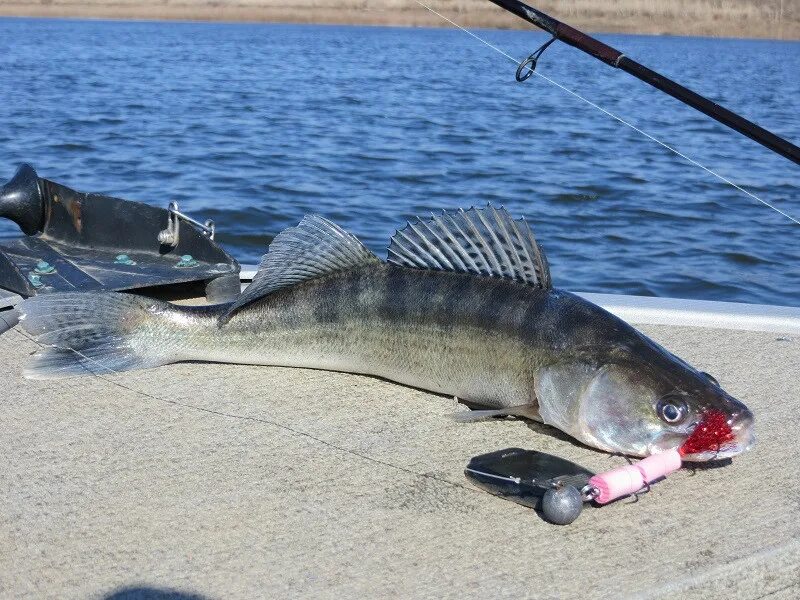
(255, 125)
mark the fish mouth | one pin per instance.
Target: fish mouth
(713, 438)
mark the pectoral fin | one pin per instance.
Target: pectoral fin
(526, 411)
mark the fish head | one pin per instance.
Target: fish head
(646, 406)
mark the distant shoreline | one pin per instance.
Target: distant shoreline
(769, 19)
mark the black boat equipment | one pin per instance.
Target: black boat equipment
(76, 241)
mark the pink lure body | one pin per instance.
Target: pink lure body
(629, 479)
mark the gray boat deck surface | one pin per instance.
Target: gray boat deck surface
(257, 482)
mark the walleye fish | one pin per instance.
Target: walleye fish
(463, 306)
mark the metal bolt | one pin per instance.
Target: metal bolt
(35, 280)
(124, 259)
(44, 268)
(187, 260)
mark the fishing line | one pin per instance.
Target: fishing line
(220, 413)
(614, 116)
(292, 430)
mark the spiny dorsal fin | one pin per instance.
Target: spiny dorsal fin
(314, 248)
(481, 241)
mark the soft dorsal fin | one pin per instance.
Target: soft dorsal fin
(314, 248)
(481, 241)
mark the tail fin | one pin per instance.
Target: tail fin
(95, 334)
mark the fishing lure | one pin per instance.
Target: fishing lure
(559, 488)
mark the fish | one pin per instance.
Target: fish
(463, 306)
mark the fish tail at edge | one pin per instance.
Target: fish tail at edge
(99, 334)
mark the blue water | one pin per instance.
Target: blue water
(255, 125)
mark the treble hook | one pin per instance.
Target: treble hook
(530, 62)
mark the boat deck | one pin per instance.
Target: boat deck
(230, 481)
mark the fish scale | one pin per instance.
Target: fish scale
(436, 341)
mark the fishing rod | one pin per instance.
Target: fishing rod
(615, 58)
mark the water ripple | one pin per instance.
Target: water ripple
(227, 120)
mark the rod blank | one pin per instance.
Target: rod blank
(615, 58)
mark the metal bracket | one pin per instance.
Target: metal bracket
(171, 235)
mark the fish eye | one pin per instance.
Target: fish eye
(711, 378)
(672, 410)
